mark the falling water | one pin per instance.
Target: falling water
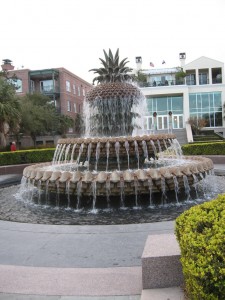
(137, 152)
(79, 188)
(117, 149)
(186, 187)
(56, 153)
(163, 188)
(195, 182)
(79, 155)
(46, 192)
(39, 191)
(97, 155)
(145, 149)
(89, 155)
(61, 153)
(68, 193)
(57, 194)
(126, 144)
(150, 190)
(176, 188)
(72, 153)
(94, 195)
(154, 148)
(136, 191)
(107, 155)
(122, 205)
(107, 186)
(67, 153)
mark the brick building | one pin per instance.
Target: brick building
(66, 89)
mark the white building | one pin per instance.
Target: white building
(172, 99)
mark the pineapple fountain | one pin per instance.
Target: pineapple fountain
(110, 160)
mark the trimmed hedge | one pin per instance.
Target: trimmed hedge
(216, 148)
(26, 156)
(200, 232)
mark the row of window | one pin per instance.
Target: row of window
(206, 106)
(68, 89)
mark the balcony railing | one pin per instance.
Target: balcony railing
(161, 83)
(216, 80)
(49, 89)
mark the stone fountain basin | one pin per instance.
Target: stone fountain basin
(50, 177)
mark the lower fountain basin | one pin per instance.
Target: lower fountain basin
(177, 175)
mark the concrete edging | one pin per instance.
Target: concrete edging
(161, 266)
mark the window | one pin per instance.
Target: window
(163, 105)
(17, 83)
(78, 90)
(68, 86)
(32, 86)
(70, 130)
(74, 89)
(68, 105)
(75, 107)
(46, 86)
(207, 106)
(80, 108)
(84, 92)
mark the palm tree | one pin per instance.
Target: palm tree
(113, 70)
(9, 110)
(111, 103)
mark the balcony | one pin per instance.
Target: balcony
(161, 83)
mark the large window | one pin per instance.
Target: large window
(162, 106)
(17, 83)
(207, 106)
(46, 86)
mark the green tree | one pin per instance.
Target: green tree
(63, 124)
(112, 70)
(9, 109)
(39, 117)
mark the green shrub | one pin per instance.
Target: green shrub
(200, 232)
(216, 148)
(26, 156)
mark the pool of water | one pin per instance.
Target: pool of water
(17, 209)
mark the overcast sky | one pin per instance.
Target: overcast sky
(39, 34)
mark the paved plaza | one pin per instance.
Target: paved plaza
(76, 262)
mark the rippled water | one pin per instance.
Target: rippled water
(14, 208)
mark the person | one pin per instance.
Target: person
(13, 146)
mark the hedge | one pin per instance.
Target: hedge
(200, 232)
(26, 156)
(216, 148)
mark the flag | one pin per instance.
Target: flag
(151, 64)
(163, 62)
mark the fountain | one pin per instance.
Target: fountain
(110, 160)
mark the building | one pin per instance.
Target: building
(66, 89)
(196, 89)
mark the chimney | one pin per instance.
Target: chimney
(182, 57)
(7, 66)
(138, 62)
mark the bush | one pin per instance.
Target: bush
(216, 148)
(26, 156)
(201, 235)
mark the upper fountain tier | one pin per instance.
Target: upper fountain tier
(113, 109)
